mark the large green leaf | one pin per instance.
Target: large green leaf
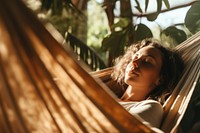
(173, 36)
(167, 3)
(115, 43)
(192, 19)
(146, 4)
(152, 17)
(142, 32)
(138, 6)
(159, 5)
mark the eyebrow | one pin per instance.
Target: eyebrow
(147, 55)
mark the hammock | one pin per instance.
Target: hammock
(44, 89)
(177, 104)
(33, 100)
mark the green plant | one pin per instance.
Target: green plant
(124, 26)
(126, 31)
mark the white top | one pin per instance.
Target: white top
(150, 111)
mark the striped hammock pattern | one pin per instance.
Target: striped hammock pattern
(44, 89)
(177, 104)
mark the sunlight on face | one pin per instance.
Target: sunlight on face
(143, 71)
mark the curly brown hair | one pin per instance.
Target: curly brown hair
(170, 72)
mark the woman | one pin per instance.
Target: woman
(150, 71)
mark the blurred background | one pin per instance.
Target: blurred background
(100, 30)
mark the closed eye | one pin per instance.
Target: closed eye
(148, 60)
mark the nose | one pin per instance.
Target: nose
(135, 63)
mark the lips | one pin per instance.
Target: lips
(132, 72)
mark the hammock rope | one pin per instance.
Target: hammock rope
(33, 100)
(176, 105)
(43, 88)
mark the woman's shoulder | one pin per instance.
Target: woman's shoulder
(151, 105)
(147, 109)
(149, 101)
(145, 104)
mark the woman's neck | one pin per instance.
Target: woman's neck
(132, 95)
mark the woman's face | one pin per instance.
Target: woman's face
(143, 71)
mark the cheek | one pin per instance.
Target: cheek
(151, 75)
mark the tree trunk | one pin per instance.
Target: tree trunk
(125, 9)
(80, 29)
(109, 7)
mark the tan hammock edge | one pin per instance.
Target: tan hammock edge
(178, 102)
(31, 99)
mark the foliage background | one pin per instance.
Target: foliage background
(109, 26)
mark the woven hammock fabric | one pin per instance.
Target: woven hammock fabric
(178, 102)
(44, 89)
